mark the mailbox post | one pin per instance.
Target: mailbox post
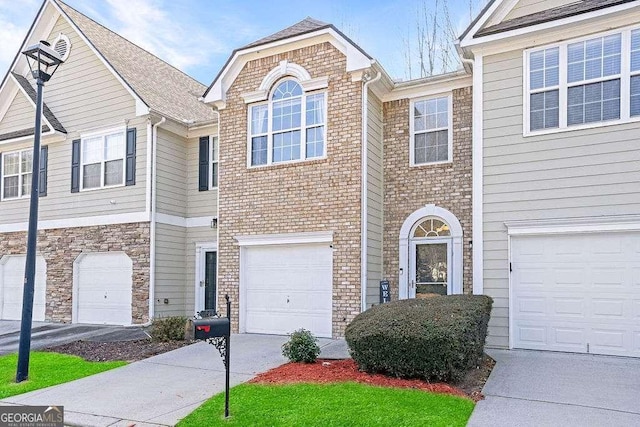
(217, 332)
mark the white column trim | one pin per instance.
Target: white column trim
(477, 200)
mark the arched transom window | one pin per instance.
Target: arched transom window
(432, 227)
(288, 127)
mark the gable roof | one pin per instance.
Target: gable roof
(307, 25)
(30, 91)
(572, 9)
(162, 87)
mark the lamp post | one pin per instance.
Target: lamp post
(43, 62)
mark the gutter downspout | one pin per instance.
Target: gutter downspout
(152, 254)
(365, 188)
(217, 213)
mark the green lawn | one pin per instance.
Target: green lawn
(47, 369)
(340, 404)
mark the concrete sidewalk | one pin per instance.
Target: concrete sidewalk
(535, 388)
(163, 389)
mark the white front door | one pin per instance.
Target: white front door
(577, 293)
(430, 267)
(287, 287)
(12, 287)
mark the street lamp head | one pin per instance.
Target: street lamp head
(43, 61)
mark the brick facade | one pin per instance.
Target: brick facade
(309, 196)
(406, 189)
(60, 247)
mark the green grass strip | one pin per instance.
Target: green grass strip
(47, 369)
(339, 404)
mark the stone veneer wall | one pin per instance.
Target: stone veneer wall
(61, 246)
(308, 196)
(407, 189)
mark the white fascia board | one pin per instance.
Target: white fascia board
(141, 107)
(481, 22)
(428, 88)
(599, 224)
(285, 239)
(356, 60)
(33, 104)
(500, 13)
(88, 221)
(47, 138)
(547, 26)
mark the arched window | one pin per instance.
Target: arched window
(432, 227)
(288, 127)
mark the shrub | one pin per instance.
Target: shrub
(437, 338)
(301, 347)
(168, 328)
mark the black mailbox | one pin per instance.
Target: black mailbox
(212, 327)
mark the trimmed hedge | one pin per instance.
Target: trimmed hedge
(437, 338)
(168, 329)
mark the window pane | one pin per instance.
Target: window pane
(575, 114)
(114, 146)
(286, 114)
(635, 95)
(259, 150)
(315, 109)
(594, 102)
(113, 172)
(543, 110)
(431, 147)
(536, 60)
(214, 175)
(287, 89)
(11, 187)
(551, 76)
(537, 101)
(575, 72)
(575, 52)
(536, 79)
(92, 150)
(26, 184)
(593, 48)
(91, 176)
(593, 68)
(635, 50)
(259, 117)
(536, 120)
(286, 146)
(26, 161)
(11, 164)
(552, 57)
(315, 142)
(214, 149)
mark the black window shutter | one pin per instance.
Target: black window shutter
(203, 164)
(131, 157)
(75, 166)
(44, 160)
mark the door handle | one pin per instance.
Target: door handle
(202, 283)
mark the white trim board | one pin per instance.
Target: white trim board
(179, 221)
(88, 221)
(285, 239)
(201, 249)
(478, 171)
(574, 225)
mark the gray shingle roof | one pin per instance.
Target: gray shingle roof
(307, 25)
(162, 87)
(46, 112)
(572, 9)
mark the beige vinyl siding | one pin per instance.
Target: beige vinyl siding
(374, 200)
(195, 236)
(200, 203)
(83, 94)
(171, 174)
(60, 203)
(170, 274)
(527, 7)
(569, 174)
(20, 115)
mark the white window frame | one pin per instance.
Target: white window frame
(449, 129)
(103, 135)
(20, 175)
(214, 160)
(624, 76)
(303, 127)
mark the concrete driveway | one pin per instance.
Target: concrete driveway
(535, 388)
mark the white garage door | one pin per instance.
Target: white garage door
(11, 287)
(103, 284)
(577, 293)
(287, 288)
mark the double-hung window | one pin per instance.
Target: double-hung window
(583, 82)
(103, 159)
(291, 126)
(17, 168)
(431, 134)
(213, 183)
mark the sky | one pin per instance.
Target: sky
(197, 36)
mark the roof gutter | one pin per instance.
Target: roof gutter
(364, 205)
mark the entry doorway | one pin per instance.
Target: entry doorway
(206, 279)
(430, 268)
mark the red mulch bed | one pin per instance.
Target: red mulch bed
(331, 371)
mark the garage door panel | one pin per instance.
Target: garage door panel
(586, 303)
(287, 288)
(12, 270)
